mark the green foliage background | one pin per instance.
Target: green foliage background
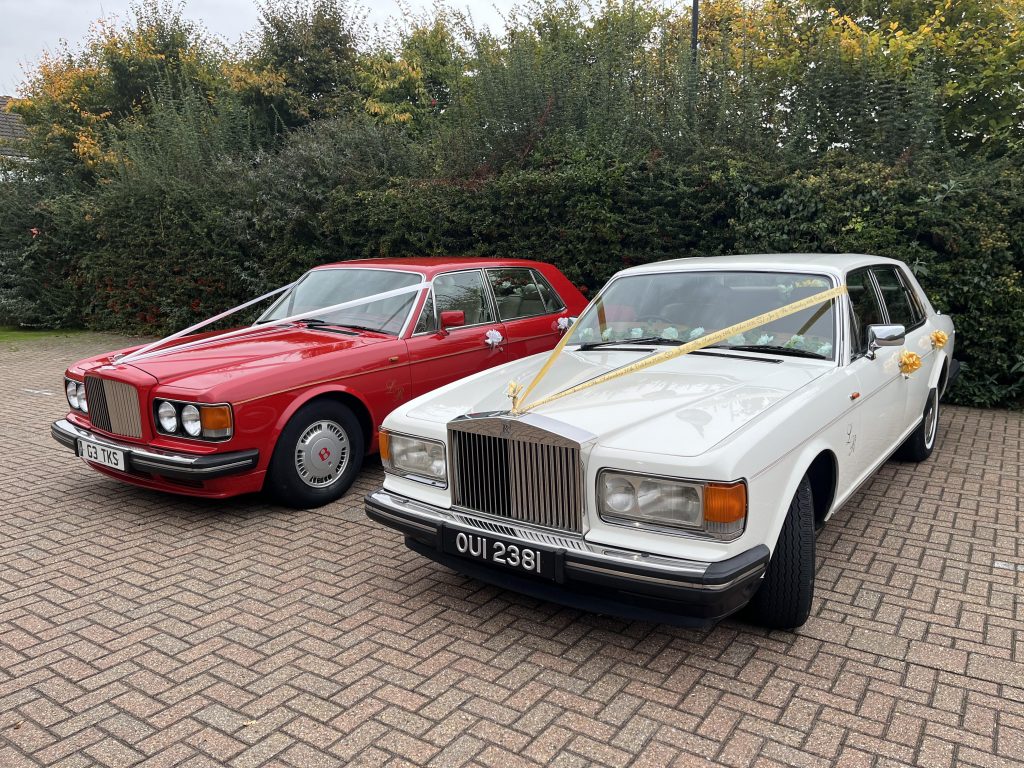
(172, 176)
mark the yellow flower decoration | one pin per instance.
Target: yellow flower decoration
(939, 339)
(909, 362)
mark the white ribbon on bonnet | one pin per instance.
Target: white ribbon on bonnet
(154, 349)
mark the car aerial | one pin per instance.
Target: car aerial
(676, 455)
(293, 405)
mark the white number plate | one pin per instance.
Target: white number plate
(100, 454)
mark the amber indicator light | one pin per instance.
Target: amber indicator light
(725, 503)
(215, 418)
(384, 445)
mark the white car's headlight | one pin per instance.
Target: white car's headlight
(414, 458)
(714, 509)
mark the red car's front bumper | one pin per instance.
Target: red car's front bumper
(215, 475)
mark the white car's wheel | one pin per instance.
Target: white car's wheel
(787, 589)
(921, 442)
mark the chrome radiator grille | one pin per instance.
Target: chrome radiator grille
(114, 406)
(517, 478)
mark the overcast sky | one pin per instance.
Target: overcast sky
(29, 27)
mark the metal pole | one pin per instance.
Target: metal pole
(695, 16)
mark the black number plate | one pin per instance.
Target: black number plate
(507, 555)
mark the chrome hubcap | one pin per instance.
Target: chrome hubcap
(931, 419)
(322, 453)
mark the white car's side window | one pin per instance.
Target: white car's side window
(898, 301)
(865, 310)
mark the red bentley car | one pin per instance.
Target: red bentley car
(295, 406)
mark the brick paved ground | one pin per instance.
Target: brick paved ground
(140, 629)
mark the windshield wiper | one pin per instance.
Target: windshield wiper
(642, 340)
(774, 349)
(358, 327)
(316, 322)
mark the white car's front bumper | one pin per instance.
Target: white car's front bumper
(591, 577)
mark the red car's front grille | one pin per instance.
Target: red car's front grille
(114, 406)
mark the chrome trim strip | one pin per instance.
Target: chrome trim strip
(576, 547)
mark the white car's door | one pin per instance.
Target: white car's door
(880, 405)
(901, 307)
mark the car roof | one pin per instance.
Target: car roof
(837, 264)
(431, 265)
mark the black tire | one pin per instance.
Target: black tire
(317, 457)
(921, 442)
(787, 589)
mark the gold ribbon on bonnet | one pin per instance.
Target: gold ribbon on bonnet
(670, 354)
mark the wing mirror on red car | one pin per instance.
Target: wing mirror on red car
(452, 318)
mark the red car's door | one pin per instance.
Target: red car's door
(529, 308)
(436, 356)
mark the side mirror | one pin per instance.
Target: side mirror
(452, 318)
(884, 336)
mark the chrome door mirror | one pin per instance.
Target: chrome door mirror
(884, 336)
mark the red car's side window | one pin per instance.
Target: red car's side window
(464, 292)
(521, 292)
(427, 322)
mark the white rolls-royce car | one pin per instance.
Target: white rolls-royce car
(687, 487)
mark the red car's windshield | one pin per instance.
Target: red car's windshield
(322, 288)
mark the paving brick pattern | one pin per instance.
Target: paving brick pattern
(149, 630)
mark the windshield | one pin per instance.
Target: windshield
(327, 287)
(676, 307)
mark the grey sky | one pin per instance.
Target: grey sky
(29, 27)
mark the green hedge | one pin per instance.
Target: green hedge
(150, 258)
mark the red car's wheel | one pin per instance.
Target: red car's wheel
(317, 456)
